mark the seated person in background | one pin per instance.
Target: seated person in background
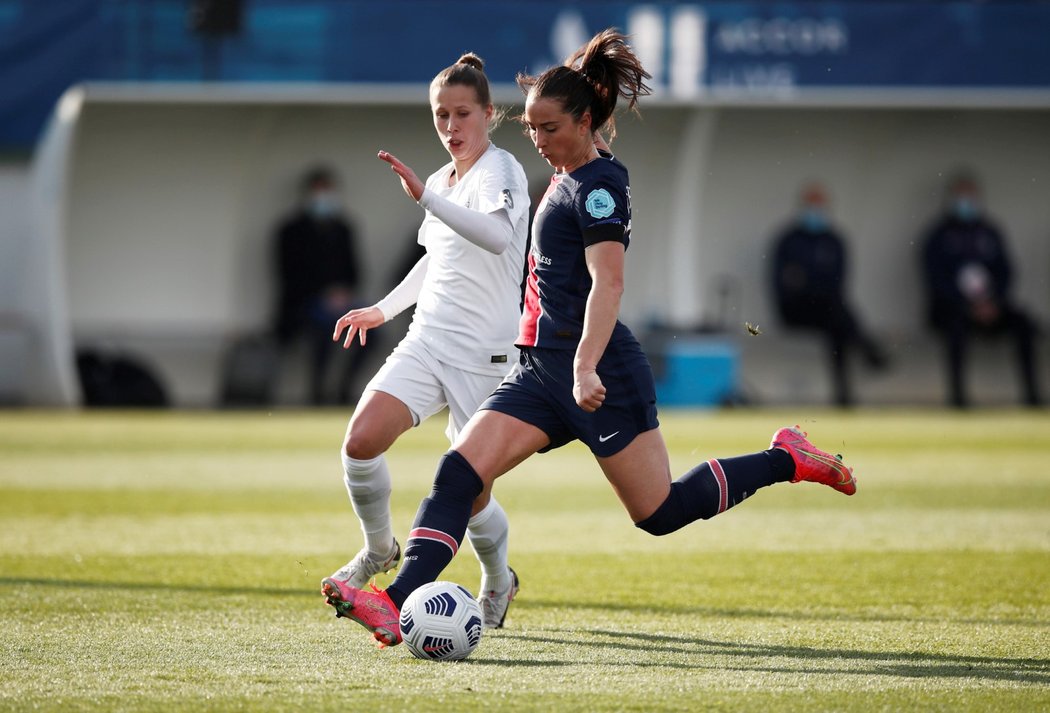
(968, 278)
(809, 282)
(319, 276)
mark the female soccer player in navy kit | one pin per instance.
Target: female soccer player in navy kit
(582, 374)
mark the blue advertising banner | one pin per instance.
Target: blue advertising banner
(695, 50)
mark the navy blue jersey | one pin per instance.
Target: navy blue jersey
(590, 205)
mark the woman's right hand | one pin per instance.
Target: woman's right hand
(357, 322)
(409, 181)
(588, 390)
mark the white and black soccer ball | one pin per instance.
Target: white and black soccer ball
(441, 621)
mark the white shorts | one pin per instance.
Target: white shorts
(426, 385)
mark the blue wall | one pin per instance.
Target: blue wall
(754, 47)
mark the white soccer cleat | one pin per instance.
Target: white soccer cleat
(360, 570)
(494, 605)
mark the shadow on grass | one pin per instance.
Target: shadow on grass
(154, 586)
(909, 664)
(744, 613)
(645, 608)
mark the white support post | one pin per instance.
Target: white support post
(52, 377)
(684, 294)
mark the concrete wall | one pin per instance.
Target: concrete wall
(171, 207)
(175, 205)
(188, 194)
(886, 171)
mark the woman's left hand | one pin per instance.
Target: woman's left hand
(588, 390)
(357, 322)
(409, 181)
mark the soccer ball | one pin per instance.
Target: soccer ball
(441, 621)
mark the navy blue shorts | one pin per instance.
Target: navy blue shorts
(538, 391)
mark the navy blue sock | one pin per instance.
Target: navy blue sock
(441, 522)
(715, 486)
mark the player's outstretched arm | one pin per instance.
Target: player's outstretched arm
(399, 299)
(492, 232)
(407, 291)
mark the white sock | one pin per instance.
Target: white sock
(488, 532)
(368, 483)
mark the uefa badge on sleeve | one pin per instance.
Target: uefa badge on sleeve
(600, 204)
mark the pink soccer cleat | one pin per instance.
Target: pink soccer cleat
(372, 610)
(813, 464)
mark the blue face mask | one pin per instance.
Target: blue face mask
(814, 220)
(965, 209)
(322, 204)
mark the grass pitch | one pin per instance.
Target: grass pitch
(171, 561)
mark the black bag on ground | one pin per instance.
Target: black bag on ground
(118, 381)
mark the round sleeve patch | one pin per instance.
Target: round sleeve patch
(599, 203)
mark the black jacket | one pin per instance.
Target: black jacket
(312, 257)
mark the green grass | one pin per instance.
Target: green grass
(171, 561)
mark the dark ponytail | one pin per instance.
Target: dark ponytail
(592, 79)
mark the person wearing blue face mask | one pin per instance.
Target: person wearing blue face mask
(809, 286)
(968, 276)
(319, 279)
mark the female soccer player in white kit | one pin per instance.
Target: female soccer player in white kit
(467, 293)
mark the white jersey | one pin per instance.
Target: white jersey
(468, 308)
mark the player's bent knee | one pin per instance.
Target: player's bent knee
(362, 446)
(457, 478)
(655, 527)
(664, 520)
(674, 513)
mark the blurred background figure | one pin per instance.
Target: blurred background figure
(809, 283)
(968, 278)
(319, 277)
